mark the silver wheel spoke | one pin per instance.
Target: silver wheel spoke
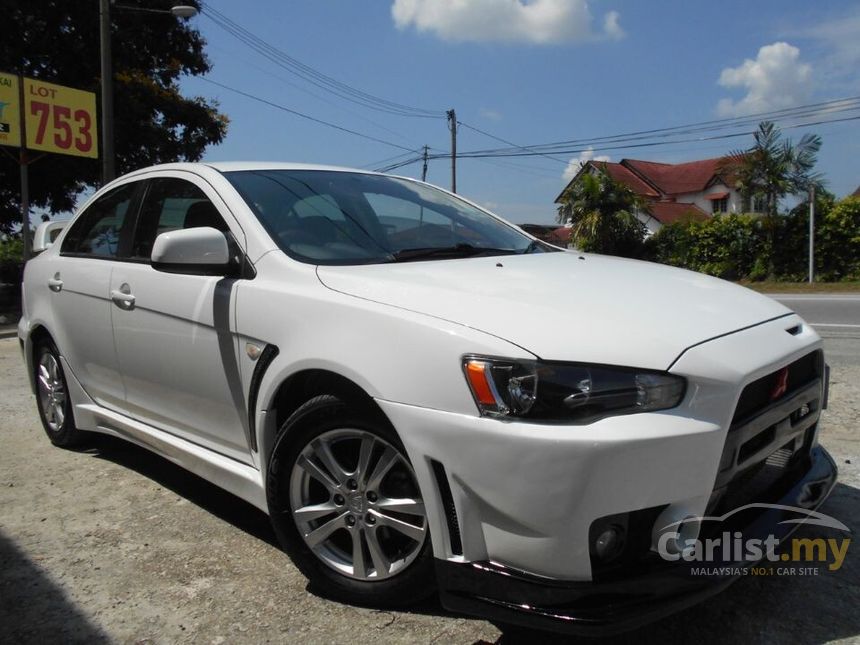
(53, 368)
(316, 472)
(44, 377)
(380, 562)
(359, 568)
(314, 511)
(322, 451)
(325, 530)
(409, 530)
(59, 414)
(364, 453)
(385, 463)
(405, 505)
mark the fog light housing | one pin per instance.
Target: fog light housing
(609, 543)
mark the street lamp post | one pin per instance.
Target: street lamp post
(108, 169)
(108, 155)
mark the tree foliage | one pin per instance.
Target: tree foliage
(738, 247)
(601, 211)
(771, 169)
(58, 41)
(774, 167)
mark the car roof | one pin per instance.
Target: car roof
(227, 166)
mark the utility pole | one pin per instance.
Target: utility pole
(452, 126)
(23, 161)
(811, 234)
(424, 169)
(108, 169)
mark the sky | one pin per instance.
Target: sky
(528, 72)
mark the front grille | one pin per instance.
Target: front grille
(757, 395)
(771, 435)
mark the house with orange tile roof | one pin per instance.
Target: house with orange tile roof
(673, 192)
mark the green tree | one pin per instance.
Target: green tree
(58, 41)
(602, 213)
(838, 241)
(771, 169)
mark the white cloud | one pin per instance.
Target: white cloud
(540, 22)
(490, 114)
(775, 79)
(574, 165)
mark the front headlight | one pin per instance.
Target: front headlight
(567, 392)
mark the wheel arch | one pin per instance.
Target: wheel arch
(37, 334)
(301, 386)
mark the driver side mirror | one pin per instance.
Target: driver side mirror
(198, 251)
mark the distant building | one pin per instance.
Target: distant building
(552, 233)
(673, 192)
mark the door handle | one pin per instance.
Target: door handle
(122, 297)
(55, 284)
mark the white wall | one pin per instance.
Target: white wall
(735, 202)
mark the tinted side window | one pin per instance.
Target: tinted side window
(171, 204)
(97, 231)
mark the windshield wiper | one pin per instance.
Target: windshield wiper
(461, 250)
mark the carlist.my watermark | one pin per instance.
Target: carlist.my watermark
(754, 556)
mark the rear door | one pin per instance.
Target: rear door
(175, 335)
(79, 285)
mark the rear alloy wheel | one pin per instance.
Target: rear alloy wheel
(346, 504)
(52, 398)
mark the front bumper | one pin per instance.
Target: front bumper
(658, 589)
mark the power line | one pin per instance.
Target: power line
(498, 154)
(306, 116)
(305, 90)
(311, 75)
(804, 111)
(510, 143)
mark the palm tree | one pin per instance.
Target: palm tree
(601, 211)
(773, 168)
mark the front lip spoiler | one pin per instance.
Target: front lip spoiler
(506, 595)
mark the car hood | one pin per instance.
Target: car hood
(566, 306)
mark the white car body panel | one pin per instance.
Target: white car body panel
(570, 306)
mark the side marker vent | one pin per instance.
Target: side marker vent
(450, 510)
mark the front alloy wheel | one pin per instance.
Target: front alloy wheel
(345, 504)
(356, 504)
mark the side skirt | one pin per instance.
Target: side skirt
(246, 482)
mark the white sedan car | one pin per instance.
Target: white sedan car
(420, 395)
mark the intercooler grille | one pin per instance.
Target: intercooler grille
(757, 395)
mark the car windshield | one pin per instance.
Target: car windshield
(335, 217)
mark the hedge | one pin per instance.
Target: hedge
(737, 247)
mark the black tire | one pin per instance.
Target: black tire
(316, 421)
(61, 431)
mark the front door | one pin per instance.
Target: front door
(175, 334)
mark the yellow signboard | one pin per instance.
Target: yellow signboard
(60, 119)
(10, 118)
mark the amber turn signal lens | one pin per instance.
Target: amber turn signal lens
(476, 371)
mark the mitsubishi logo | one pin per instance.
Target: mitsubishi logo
(780, 385)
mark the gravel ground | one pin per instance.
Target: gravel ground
(114, 544)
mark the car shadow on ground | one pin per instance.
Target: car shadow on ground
(197, 490)
(33, 609)
(809, 609)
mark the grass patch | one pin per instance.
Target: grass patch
(804, 287)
